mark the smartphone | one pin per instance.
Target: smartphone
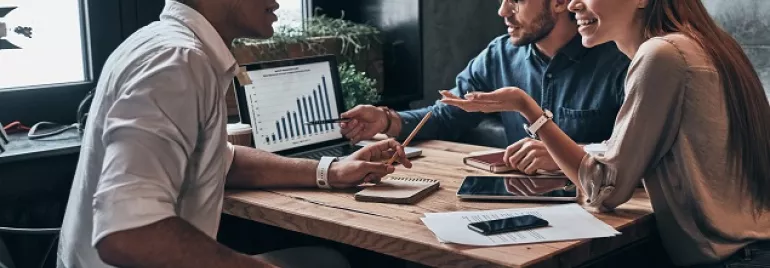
(512, 224)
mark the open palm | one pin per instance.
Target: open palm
(501, 100)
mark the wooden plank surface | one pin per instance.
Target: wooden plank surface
(396, 230)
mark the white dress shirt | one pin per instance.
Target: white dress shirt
(156, 143)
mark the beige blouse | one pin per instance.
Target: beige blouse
(671, 133)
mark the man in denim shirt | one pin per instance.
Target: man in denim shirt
(541, 54)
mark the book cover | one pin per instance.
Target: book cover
(493, 162)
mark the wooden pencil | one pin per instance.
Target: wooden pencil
(411, 136)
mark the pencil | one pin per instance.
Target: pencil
(411, 136)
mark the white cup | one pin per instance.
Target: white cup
(239, 134)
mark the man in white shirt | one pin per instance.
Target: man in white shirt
(154, 163)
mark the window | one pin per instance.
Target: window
(291, 13)
(47, 78)
(71, 39)
(54, 53)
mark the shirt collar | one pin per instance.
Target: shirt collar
(212, 41)
(574, 49)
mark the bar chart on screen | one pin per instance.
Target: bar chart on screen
(282, 99)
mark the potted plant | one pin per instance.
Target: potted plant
(355, 45)
(357, 87)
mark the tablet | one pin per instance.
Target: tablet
(524, 188)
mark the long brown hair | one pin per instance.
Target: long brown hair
(747, 106)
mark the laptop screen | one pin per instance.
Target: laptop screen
(284, 95)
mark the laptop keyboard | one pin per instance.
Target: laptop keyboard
(333, 152)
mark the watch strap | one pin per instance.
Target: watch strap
(322, 172)
(388, 116)
(534, 127)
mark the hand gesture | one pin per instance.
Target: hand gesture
(367, 164)
(528, 156)
(501, 100)
(366, 122)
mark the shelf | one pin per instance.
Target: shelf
(22, 148)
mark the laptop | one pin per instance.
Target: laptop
(284, 95)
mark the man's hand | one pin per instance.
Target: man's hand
(367, 164)
(366, 122)
(528, 156)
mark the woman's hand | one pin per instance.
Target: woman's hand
(507, 99)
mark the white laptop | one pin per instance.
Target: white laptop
(284, 95)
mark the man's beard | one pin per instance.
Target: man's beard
(539, 30)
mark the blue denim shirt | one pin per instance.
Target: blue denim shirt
(583, 87)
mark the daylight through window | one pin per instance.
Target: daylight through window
(54, 51)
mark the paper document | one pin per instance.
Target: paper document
(566, 222)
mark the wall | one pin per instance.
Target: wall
(453, 34)
(748, 22)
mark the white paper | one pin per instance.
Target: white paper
(566, 222)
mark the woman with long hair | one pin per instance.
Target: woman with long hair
(695, 127)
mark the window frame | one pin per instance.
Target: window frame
(59, 102)
(106, 24)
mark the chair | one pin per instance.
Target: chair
(5, 257)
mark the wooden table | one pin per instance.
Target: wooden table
(396, 230)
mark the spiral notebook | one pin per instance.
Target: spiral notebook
(398, 190)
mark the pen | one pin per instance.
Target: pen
(328, 121)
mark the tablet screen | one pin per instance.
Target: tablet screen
(519, 186)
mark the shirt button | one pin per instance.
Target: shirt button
(549, 75)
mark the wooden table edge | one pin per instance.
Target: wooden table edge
(575, 254)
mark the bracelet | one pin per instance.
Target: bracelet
(322, 173)
(387, 116)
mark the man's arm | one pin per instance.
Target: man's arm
(171, 242)
(252, 168)
(449, 122)
(150, 133)
(446, 123)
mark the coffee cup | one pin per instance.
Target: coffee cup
(239, 134)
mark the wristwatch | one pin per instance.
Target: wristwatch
(322, 172)
(532, 129)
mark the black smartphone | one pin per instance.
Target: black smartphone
(512, 224)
